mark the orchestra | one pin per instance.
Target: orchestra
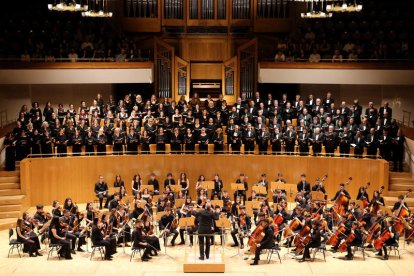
(341, 222)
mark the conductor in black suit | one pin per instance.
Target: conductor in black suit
(206, 220)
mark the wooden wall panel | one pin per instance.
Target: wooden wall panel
(206, 71)
(205, 48)
(57, 178)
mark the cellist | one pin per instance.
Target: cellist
(315, 240)
(357, 240)
(267, 242)
(394, 236)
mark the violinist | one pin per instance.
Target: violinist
(101, 191)
(99, 238)
(315, 241)
(57, 236)
(167, 227)
(226, 202)
(267, 242)
(66, 222)
(243, 180)
(235, 207)
(23, 236)
(29, 225)
(113, 204)
(218, 187)
(241, 227)
(41, 216)
(139, 241)
(392, 240)
(68, 204)
(57, 210)
(356, 231)
(119, 183)
(162, 203)
(184, 183)
(184, 211)
(150, 237)
(318, 186)
(77, 230)
(138, 210)
(123, 229)
(301, 201)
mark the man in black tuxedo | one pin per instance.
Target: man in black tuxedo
(303, 185)
(206, 220)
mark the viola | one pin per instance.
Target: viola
(379, 242)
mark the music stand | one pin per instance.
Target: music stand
(317, 196)
(237, 187)
(176, 189)
(150, 188)
(216, 202)
(260, 190)
(179, 203)
(185, 223)
(289, 188)
(207, 185)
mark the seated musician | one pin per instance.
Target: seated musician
(23, 235)
(315, 240)
(166, 226)
(148, 228)
(101, 191)
(185, 209)
(70, 234)
(281, 211)
(393, 239)
(241, 227)
(99, 238)
(57, 236)
(263, 183)
(42, 218)
(113, 204)
(123, 228)
(267, 242)
(296, 215)
(138, 210)
(301, 201)
(139, 241)
(356, 242)
(57, 209)
(362, 194)
(218, 187)
(169, 181)
(226, 202)
(154, 182)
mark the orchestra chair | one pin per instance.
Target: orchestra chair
(70, 150)
(101, 250)
(53, 247)
(134, 250)
(320, 249)
(14, 244)
(274, 250)
(256, 148)
(267, 121)
(294, 122)
(242, 149)
(359, 247)
(224, 130)
(394, 247)
(352, 151)
(102, 123)
(196, 148)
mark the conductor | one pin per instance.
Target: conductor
(205, 220)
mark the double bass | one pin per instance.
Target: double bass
(401, 214)
(342, 201)
(364, 200)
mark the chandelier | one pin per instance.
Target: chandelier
(70, 6)
(98, 8)
(344, 6)
(315, 9)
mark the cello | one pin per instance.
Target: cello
(401, 214)
(256, 237)
(379, 242)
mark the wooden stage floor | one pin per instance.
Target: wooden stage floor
(173, 264)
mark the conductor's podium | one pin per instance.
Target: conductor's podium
(215, 263)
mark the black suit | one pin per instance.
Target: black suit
(205, 220)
